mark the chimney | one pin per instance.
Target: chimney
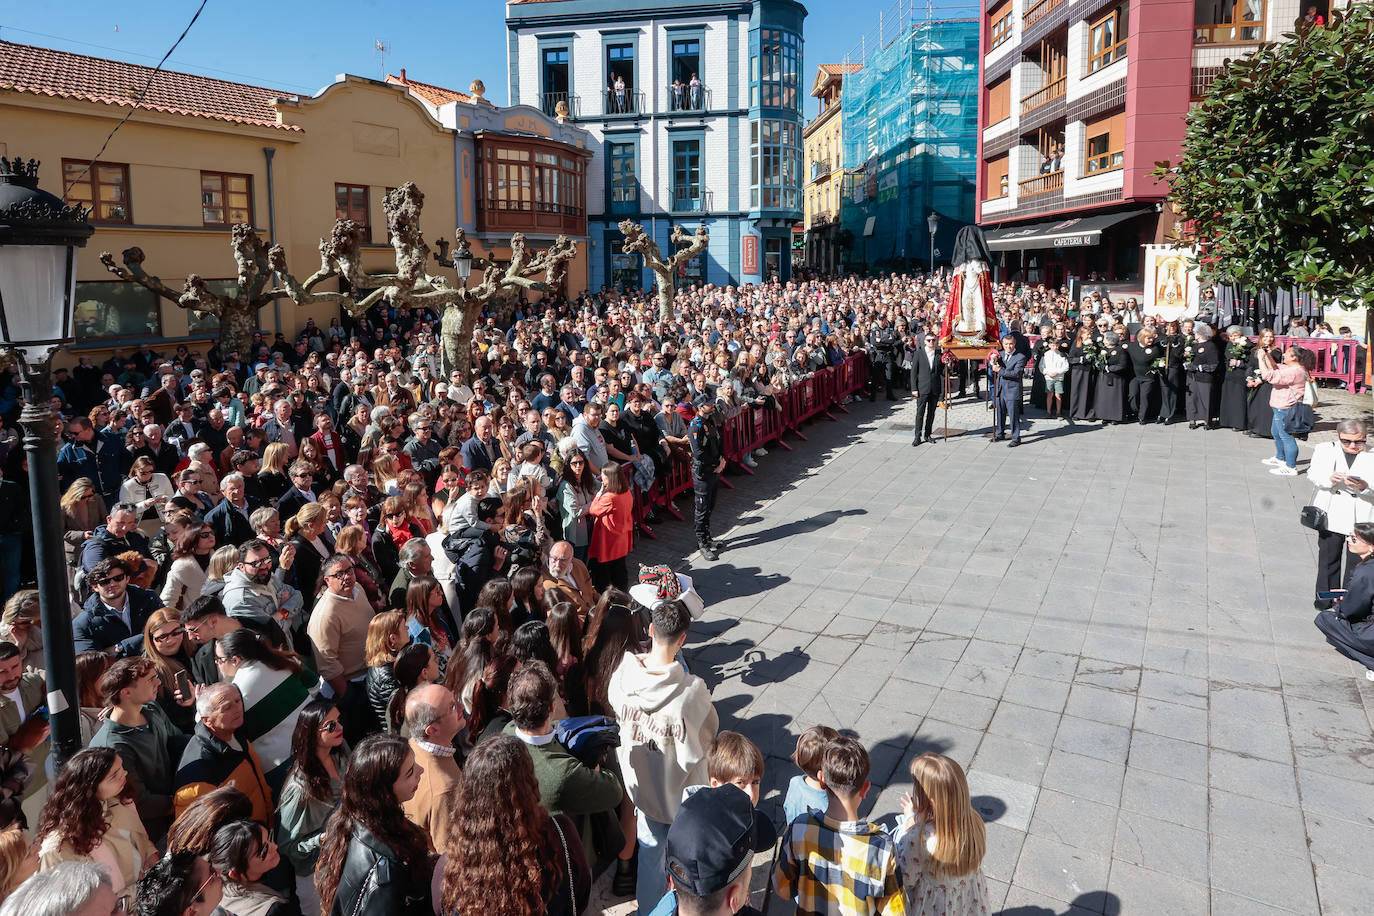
(403, 75)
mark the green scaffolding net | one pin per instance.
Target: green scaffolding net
(910, 134)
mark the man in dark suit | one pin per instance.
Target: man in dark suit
(927, 383)
(229, 520)
(113, 617)
(477, 451)
(1008, 369)
(300, 493)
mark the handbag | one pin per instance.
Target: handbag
(567, 857)
(1313, 518)
(1309, 394)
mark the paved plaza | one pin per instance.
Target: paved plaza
(1109, 628)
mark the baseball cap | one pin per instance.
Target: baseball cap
(702, 400)
(713, 838)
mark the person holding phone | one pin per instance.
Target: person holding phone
(1342, 472)
(1349, 625)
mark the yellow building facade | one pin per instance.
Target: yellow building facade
(824, 171)
(202, 155)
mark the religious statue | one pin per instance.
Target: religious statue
(970, 318)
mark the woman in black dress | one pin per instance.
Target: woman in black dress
(1204, 369)
(1234, 391)
(1174, 382)
(1349, 626)
(1109, 400)
(1260, 413)
(1037, 394)
(1143, 352)
(1081, 375)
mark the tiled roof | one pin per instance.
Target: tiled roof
(61, 74)
(837, 69)
(434, 95)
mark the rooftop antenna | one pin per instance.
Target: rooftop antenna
(383, 50)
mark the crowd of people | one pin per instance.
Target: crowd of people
(359, 635)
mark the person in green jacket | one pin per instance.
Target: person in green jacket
(566, 784)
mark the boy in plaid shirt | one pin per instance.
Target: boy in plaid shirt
(834, 863)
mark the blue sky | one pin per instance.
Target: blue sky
(290, 45)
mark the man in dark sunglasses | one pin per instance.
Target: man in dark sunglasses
(113, 617)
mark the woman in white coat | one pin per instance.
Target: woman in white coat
(190, 566)
(1343, 473)
(149, 491)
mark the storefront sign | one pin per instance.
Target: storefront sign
(749, 254)
(1075, 241)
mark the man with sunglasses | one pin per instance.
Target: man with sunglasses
(113, 617)
(301, 491)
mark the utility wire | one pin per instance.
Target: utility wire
(138, 101)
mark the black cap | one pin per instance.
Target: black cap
(713, 838)
(704, 399)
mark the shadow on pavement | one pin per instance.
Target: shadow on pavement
(1103, 902)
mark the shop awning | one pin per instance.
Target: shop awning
(1075, 232)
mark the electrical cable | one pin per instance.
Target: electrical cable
(138, 101)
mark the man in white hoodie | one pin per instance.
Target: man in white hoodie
(667, 724)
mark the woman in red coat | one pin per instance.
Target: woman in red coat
(613, 533)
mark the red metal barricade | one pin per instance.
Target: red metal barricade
(1337, 358)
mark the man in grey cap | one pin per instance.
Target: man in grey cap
(708, 852)
(708, 460)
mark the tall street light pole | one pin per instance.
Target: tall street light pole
(39, 238)
(933, 221)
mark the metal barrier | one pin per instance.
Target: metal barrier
(1337, 358)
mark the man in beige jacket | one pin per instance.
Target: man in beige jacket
(433, 718)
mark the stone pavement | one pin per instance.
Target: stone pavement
(1110, 628)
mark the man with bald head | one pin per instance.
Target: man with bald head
(433, 719)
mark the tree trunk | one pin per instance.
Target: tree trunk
(665, 296)
(237, 322)
(455, 337)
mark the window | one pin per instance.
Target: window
(555, 80)
(625, 270)
(995, 178)
(999, 100)
(620, 79)
(116, 309)
(687, 175)
(507, 179)
(1000, 31)
(1229, 20)
(1106, 138)
(1107, 40)
(685, 87)
(103, 189)
(226, 199)
(350, 202)
(773, 69)
(624, 182)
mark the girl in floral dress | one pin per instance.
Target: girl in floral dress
(940, 843)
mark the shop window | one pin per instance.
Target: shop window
(115, 310)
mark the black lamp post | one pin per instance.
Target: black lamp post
(39, 236)
(462, 264)
(933, 221)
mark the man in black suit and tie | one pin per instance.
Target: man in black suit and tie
(229, 520)
(927, 384)
(300, 493)
(477, 452)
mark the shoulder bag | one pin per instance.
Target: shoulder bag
(567, 857)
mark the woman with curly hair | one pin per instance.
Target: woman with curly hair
(311, 794)
(90, 817)
(509, 857)
(373, 859)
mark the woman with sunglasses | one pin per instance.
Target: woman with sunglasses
(372, 858)
(243, 852)
(575, 493)
(90, 817)
(310, 794)
(1349, 625)
(190, 565)
(166, 646)
(1343, 474)
(180, 884)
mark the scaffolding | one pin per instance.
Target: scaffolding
(910, 131)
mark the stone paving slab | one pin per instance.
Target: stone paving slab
(1109, 626)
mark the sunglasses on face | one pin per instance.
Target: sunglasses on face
(170, 634)
(1345, 441)
(112, 580)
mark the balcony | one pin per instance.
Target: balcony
(691, 200)
(1041, 184)
(551, 101)
(688, 99)
(823, 218)
(1039, 11)
(1044, 95)
(622, 102)
(820, 168)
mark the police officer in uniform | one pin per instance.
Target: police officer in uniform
(708, 460)
(883, 342)
(1008, 368)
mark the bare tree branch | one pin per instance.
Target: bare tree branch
(637, 241)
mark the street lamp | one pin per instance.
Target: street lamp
(39, 236)
(933, 221)
(462, 264)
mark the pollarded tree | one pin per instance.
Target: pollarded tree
(237, 310)
(412, 286)
(637, 241)
(1276, 177)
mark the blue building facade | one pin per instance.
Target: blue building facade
(694, 112)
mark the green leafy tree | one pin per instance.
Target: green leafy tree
(1275, 183)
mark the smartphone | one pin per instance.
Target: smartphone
(1351, 478)
(183, 684)
(41, 712)
(1331, 596)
